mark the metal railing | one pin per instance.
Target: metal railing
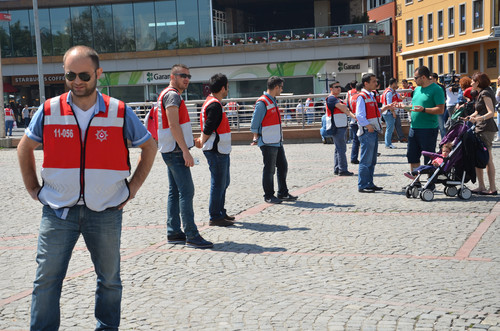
(325, 32)
(292, 116)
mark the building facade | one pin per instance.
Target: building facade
(306, 42)
(449, 37)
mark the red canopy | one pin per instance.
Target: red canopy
(7, 88)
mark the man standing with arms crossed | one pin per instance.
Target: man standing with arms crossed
(175, 138)
(215, 140)
(428, 104)
(85, 169)
(268, 135)
(368, 116)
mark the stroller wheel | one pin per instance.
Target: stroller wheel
(408, 192)
(450, 191)
(464, 193)
(427, 195)
(414, 192)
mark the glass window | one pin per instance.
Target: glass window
(492, 58)
(205, 20)
(440, 64)
(144, 18)
(462, 18)
(102, 21)
(127, 93)
(440, 24)
(451, 21)
(187, 23)
(20, 33)
(420, 29)
(430, 27)
(61, 30)
(166, 24)
(476, 60)
(410, 68)
(409, 32)
(5, 39)
(421, 62)
(462, 62)
(477, 9)
(81, 23)
(451, 62)
(123, 26)
(430, 63)
(45, 35)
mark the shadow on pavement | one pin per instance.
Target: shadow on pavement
(231, 246)
(309, 204)
(268, 227)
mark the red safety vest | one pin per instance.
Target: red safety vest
(371, 106)
(95, 169)
(223, 130)
(352, 101)
(395, 96)
(271, 124)
(9, 112)
(166, 141)
(339, 117)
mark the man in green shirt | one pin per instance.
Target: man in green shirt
(428, 103)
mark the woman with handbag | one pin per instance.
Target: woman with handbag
(486, 128)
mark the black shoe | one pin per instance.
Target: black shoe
(355, 161)
(346, 173)
(366, 190)
(273, 199)
(287, 197)
(229, 218)
(179, 238)
(378, 154)
(199, 242)
(336, 172)
(220, 222)
(376, 188)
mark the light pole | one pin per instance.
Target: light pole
(326, 80)
(41, 82)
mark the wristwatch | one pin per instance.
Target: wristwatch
(423, 110)
(255, 140)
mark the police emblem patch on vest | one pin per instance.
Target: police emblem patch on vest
(101, 135)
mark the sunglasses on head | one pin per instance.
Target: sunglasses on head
(71, 76)
(183, 75)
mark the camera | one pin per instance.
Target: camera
(451, 81)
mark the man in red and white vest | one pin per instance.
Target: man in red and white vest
(9, 120)
(368, 116)
(175, 138)
(268, 135)
(215, 140)
(389, 96)
(85, 187)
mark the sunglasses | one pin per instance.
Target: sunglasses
(71, 76)
(183, 75)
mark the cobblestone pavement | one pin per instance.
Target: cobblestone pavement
(333, 260)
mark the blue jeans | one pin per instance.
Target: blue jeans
(369, 149)
(9, 125)
(274, 159)
(389, 129)
(219, 181)
(180, 196)
(339, 159)
(355, 142)
(101, 232)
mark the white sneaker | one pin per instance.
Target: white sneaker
(391, 146)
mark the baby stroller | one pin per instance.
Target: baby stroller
(451, 172)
